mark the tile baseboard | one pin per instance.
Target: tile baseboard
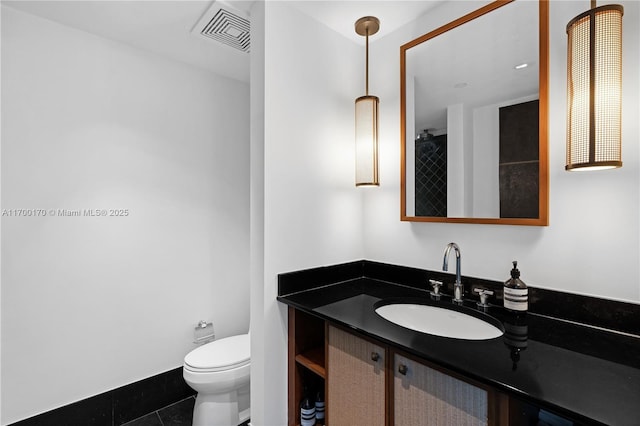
(118, 406)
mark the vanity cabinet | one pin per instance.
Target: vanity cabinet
(534, 375)
(424, 395)
(369, 383)
(356, 380)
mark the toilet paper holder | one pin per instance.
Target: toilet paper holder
(203, 332)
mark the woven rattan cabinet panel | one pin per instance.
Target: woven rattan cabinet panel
(355, 381)
(424, 396)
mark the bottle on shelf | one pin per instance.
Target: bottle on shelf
(320, 408)
(307, 410)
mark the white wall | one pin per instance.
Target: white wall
(456, 146)
(486, 164)
(592, 244)
(257, 83)
(312, 209)
(93, 303)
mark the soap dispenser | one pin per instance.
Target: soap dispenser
(516, 293)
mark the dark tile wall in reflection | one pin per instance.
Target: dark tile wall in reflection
(431, 176)
(519, 160)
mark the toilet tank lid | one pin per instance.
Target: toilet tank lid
(226, 352)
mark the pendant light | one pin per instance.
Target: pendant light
(367, 117)
(594, 89)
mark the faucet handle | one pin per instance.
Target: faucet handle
(436, 286)
(435, 293)
(484, 296)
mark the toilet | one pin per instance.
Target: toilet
(219, 372)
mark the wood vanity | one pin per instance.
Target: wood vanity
(374, 372)
(367, 382)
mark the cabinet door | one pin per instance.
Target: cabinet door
(424, 396)
(355, 380)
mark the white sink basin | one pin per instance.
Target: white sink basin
(438, 321)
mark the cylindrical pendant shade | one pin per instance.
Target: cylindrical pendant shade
(367, 140)
(594, 89)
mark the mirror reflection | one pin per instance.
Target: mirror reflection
(472, 117)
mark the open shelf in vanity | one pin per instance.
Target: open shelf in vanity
(307, 359)
(313, 360)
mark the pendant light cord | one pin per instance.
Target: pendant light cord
(366, 70)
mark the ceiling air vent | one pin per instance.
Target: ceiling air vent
(225, 24)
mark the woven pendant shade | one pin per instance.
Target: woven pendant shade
(367, 140)
(594, 89)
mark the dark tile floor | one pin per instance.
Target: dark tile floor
(180, 413)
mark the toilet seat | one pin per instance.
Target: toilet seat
(220, 355)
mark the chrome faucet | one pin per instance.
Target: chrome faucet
(458, 290)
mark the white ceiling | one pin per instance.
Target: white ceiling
(341, 15)
(164, 26)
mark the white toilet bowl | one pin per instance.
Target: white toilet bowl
(219, 372)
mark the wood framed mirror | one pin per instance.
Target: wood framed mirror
(473, 110)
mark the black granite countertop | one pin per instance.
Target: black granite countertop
(589, 375)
